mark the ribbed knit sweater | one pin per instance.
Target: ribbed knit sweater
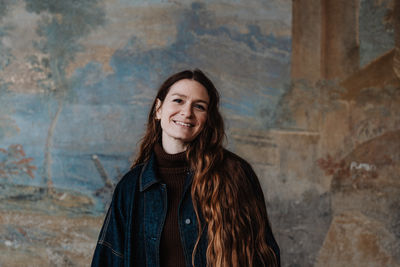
(172, 170)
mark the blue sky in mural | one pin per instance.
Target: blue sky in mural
(104, 113)
(137, 71)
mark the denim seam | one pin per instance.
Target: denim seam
(145, 232)
(106, 226)
(180, 227)
(161, 226)
(116, 253)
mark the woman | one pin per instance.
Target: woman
(187, 201)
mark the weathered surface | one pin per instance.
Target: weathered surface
(365, 201)
(356, 240)
(35, 239)
(77, 79)
(355, 117)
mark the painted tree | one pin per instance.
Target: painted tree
(62, 26)
(13, 162)
(5, 52)
(7, 125)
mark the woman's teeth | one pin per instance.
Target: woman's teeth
(183, 124)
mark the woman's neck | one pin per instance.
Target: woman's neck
(165, 160)
(172, 146)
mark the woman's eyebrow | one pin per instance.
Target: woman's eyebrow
(180, 95)
(185, 96)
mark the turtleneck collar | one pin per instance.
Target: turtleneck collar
(165, 160)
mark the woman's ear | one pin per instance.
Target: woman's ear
(158, 109)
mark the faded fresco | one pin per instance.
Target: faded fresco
(310, 93)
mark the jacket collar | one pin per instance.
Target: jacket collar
(148, 175)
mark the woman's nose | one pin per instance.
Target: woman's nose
(186, 110)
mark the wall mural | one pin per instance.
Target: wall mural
(77, 79)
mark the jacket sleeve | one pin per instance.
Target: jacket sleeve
(258, 193)
(109, 250)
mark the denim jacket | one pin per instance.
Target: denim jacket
(131, 232)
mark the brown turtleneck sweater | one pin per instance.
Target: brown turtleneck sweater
(172, 170)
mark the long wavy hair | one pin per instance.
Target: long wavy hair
(236, 223)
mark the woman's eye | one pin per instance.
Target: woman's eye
(200, 107)
(177, 100)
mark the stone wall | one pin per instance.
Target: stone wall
(344, 138)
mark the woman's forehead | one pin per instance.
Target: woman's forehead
(188, 88)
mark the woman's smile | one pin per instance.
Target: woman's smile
(180, 123)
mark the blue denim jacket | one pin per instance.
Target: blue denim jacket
(131, 232)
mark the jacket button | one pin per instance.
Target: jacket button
(187, 221)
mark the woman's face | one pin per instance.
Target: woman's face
(183, 113)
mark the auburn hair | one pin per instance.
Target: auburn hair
(236, 220)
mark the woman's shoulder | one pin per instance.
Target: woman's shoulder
(130, 178)
(236, 164)
(235, 159)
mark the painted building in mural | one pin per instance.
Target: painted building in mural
(310, 96)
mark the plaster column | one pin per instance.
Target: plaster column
(306, 40)
(340, 44)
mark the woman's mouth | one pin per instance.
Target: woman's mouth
(180, 123)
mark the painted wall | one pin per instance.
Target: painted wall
(77, 79)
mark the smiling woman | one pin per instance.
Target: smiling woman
(182, 114)
(187, 201)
